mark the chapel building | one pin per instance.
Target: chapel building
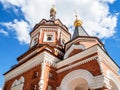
(57, 61)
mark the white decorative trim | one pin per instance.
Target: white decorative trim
(49, 33)
(72, 48)
(103, 57)
(57, 50)
(58, 88)
(18, 84)
(78, 56)
(114, 78)
(83, 39)
(93, 82)
(41, 83)
(77, 64)
(100, 82)
(107, 60)
(26, 57)
(100, 64)
(45, 56)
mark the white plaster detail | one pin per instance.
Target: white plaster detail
(114, 78)
(83, 39)
(100, 64)
(77, 64)
(103, 57)
(93, 82)
(18, 84)
(58, 88)
(77, 57)
(34, 40)
(41, 83)
(72, 48)
(57, 50)
(45, 56)
(46, 36)
(107, 60)
(26, 57)
(48, 49)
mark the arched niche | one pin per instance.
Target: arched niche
(18, 84)
(81, 77)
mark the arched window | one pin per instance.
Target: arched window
(18, 84)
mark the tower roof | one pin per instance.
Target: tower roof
(79, 31)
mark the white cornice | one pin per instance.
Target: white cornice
(78, 56)
(81, 47)
(27, 56)
(103, 57)
(77, 64)
(45, 56)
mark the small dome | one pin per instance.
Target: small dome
(53, 9)
(77, 22)
(53, 13)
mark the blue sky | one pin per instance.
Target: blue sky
(100, 18)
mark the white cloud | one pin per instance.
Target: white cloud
(97, 20)
(0, 88)
(3, 32)
(21, 29)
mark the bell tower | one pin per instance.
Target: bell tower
(50, 32)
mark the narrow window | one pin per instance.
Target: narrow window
(35, 75)
(49, 37)
(35, 41)
(50, 75)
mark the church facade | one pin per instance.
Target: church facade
(57, 61)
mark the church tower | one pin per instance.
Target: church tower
(55, 61)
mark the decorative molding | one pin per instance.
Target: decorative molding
(100, 82)
(100, 64)
(41, 83)
(18, 84)
(46, 33)
(58, 88)
(93, 82)
(77, 64)
(35, 61)
(26, 57)
(114, 78)
(72, 48)
(60, 52)
(103, 57)
(83, 39)
(77, 56)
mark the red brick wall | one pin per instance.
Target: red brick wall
(29, 80)
(75, 51)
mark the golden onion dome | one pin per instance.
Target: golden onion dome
(77, 22)
(53, 9)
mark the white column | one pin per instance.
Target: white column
(100, 82)
(41, 83)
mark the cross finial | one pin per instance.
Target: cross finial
(76, 14)
(77, 22)
(53, 12)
